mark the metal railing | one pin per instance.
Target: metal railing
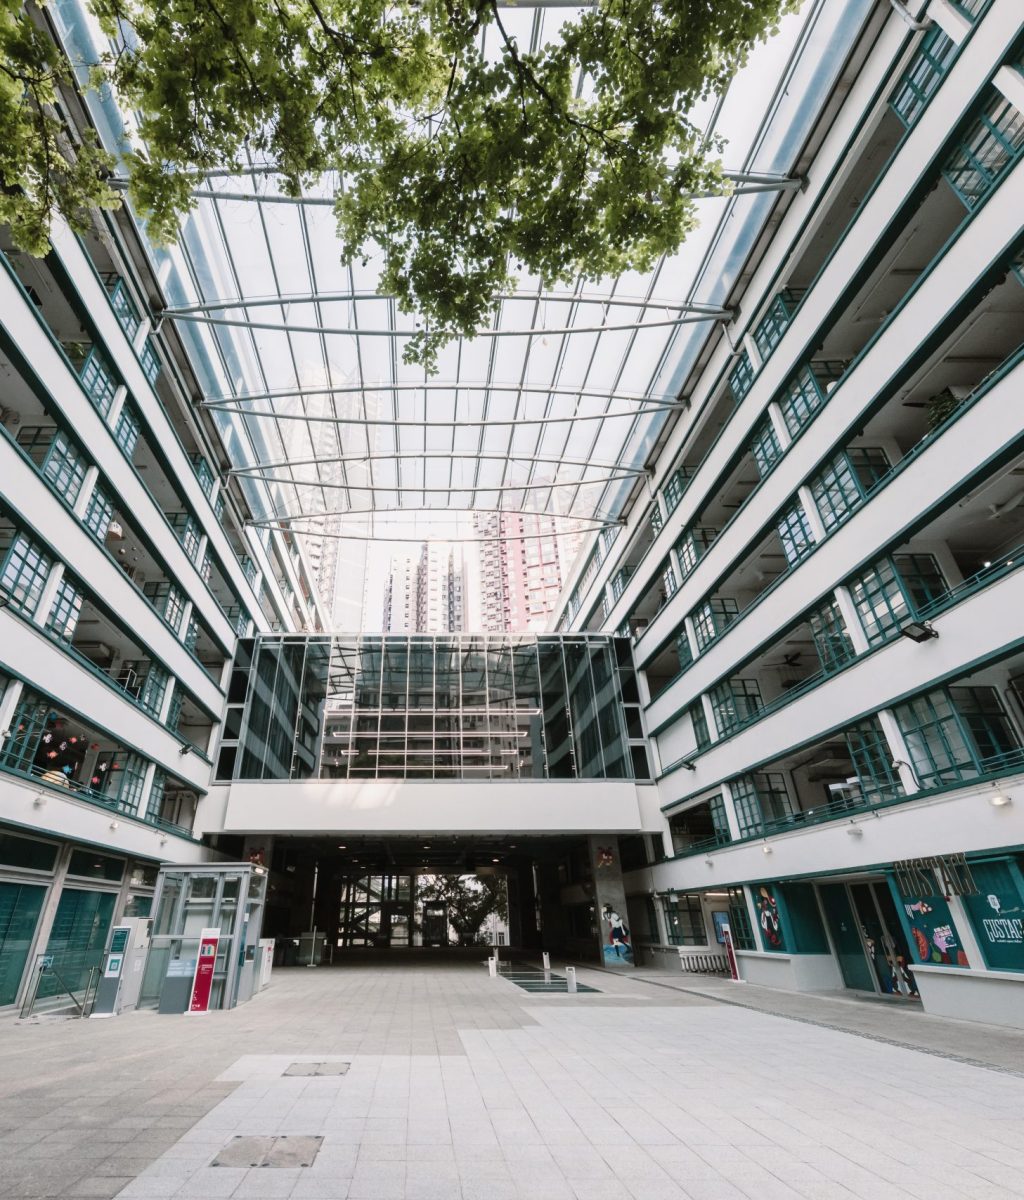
(81, 997)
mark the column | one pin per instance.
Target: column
(610, 902)
(45, 601)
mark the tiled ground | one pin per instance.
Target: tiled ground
(464, 1087)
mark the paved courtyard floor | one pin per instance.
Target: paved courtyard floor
(463, 1087)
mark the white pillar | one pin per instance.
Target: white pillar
(45, 601)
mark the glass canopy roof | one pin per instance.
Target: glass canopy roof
(553, 410)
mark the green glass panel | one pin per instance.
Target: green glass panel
(997, 914)
(77, 938)
(19, 912)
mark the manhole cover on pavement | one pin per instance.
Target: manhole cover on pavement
(281, 1151)
(318, 1068)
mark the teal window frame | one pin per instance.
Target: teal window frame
(65, 609)
(740, 930)
(942, 729)
(693, 545)
(619, 580)
(873, 762)
(765, 447)
(94, 374)
(770, 329)
(735, 703)
(760, 799)
(187, 530)
(132, 784)
(842, 485)
(921, 80)
(656, 519)
(58, 458)
(807, 391)
(699, 723)
(167, 600)
(741, 377)
(668, 579)
(23, 574)
(684, 919)
(99, 513)
(202, 472)
(892, 590)
(149, 361)
(124, 308)
(675, 486)
(987, 151)
(830, 636)
(713, 617)
(128, 429)
(174, 708)
(795, 534)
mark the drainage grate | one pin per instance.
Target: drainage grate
(318, 1068)
(542, 981)
(280, 1151)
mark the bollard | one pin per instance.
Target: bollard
(492, 967)
(497, 954)
(546, 960)
(570, 979)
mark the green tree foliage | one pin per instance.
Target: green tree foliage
(470, 900)
(41, 170)
(464, 157)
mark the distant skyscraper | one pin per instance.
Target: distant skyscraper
(521, 568)
(425, 592)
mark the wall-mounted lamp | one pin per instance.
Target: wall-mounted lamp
(919, 631)
(854, 830)
(163, 839)
(688, 764)
(186, 749)
(113, 826)
(38, 800)
(766, 849)
(1000, 800)
(709, 862)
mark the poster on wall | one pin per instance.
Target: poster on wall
(768, 916)
(617, 947)
(933, 935)
(998, 920)
(721, 920)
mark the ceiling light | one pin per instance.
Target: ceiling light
(343, 847)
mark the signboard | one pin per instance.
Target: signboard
(913, 875)
(114, 964)
(202, 981)
(730, 953)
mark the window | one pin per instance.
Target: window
(775, 322)
(168, 601)
(795, 533)
(684, 920)
(831, 640)
(700, 725)
(692, 547)
(124, 309)
(683, 650)
(675, 486)
(923, 76)
(765, 447)
(100, 512)
(95, 375)
(844, 482)
(760, 799)
(734, 703)
(656, 519)
(26, 567)
(126, 432)
(741, 377)
(739, 920)
(957, 733)
(713, 618)
(149, 362)
(807, 391)
(133, 781)
(989, 149)
(872, 761)
(203, 473)
(57, 458)
(187, 530)
(883, 595)
(66, 609)
(668, 579)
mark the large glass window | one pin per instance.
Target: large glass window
(24, 570)
(795, 533)
(58, 458)
(734, 703)
(713, 617)
(844, 482)
(739, 920)
(760, 799)
(988, 150)
(889, 592)
(765, 447)
(923, 76)
(957, 733)
(684, 920)
(693, 545)
(20, 905)
(450, 707)
(831, 639)
(99, 513)
(741, 378)
(66, 609)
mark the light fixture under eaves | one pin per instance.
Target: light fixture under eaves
(854, 830)
(919, 631)
(688, 764)
(1000, 800)
(766, 849)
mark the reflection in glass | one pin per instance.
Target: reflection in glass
(445, 707)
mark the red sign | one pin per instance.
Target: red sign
(202, 981)
(730, 953)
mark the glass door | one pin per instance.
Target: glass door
(19, 912)
(846, 938)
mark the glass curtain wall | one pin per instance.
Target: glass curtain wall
(462, 707)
